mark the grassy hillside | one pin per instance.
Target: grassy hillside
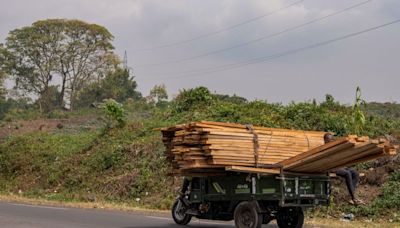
(387, 110)
(117, 165)
(78, 157)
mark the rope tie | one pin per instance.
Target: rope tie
(308, 140)
(255, 143)
(269, 142)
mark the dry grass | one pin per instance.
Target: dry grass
(336, 223)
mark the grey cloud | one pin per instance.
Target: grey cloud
(369, 60)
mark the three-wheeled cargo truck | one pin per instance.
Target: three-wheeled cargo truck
(251, 199)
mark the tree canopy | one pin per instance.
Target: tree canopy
(68, 53)
(2, 70)
(117, 85)
(158, 93)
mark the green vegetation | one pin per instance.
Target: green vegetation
(118, 85)
(121, 165)
(114, 112)
(387, 110)
(387, 204)
(358, 115)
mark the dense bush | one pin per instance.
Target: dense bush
(193, 99)
(14, 109)
(388, 110)
(117, 85)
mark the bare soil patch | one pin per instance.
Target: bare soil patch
(47, 125)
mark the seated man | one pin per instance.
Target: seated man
(350, 175)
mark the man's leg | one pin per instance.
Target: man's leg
(346, 174)
(355, 177)
(185, 185)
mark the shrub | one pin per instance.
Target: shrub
(114, 112)
(193, 99)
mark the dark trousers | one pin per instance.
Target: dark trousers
(351, 177)
(185, 185)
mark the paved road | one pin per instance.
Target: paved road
(13, 215)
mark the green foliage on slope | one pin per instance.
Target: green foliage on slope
(126, 164)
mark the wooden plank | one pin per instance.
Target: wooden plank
(341, 158)
(361, 160)
(252, 170)
(315, 156)
(314, 151)
(348, 160)
(239, 153)
(240, 126)
(227, 162)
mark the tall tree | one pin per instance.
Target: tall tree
(73, 50)
(158, 93)
(86, 56)
(33, 58)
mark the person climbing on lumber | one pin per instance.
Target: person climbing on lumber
(350, 175)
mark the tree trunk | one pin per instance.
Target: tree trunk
(62, 94)
(46, 99)
(72, 100)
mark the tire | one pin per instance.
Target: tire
(290, 217)
(179, 213)
(246, 216)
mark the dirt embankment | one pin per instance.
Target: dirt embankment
(372, 178)
(47, 125)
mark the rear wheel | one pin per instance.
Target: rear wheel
(246, 216)
(290, 217)
(179, 213)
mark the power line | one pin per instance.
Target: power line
(278, 55)
(290, 29)
(205, 35)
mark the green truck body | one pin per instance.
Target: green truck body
(271, 197)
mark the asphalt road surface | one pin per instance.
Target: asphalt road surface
(15, 215)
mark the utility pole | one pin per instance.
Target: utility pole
(126, 61)
(125, 64)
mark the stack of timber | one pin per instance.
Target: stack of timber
(202, 147)
(342, 152)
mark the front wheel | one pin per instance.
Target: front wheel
(246, 216)
(290, 217)
(179, 213)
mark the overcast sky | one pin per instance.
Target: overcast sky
(370, 60)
